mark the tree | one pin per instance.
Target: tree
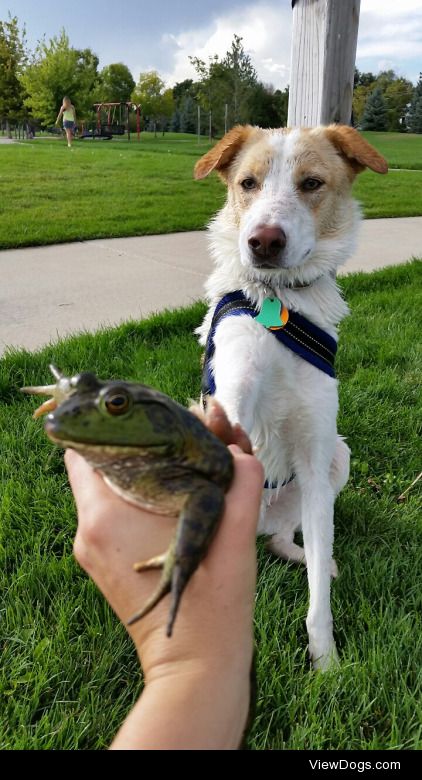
(414, 117)
(184, 119)
(116, 84)
(166, 108)
(268, 108)
(363, 79)
(240, 76)
(375, 116)
(208, 88)
(157, 103)
(181, 90)
(229, 81)
(188, 115)
(12, 61)
(57, 69)
(175, 121)
(398, 94)
(360, 97)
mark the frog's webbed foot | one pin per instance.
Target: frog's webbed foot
(196, 528)
(164, 562)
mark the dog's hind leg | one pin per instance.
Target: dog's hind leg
(282, 519)
(340, 466)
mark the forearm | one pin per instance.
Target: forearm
(196, 711)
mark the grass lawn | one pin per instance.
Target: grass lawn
(402, 150)
(68, 674)
(49, 194)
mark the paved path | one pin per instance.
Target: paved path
(48, 292)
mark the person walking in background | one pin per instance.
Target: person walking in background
(69, 119)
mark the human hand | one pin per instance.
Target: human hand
(212, 644)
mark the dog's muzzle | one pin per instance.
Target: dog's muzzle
(267, 246)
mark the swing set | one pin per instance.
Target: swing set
(112, 119)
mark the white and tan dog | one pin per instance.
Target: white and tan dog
(288, 223)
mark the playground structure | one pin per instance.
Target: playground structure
(112, 119)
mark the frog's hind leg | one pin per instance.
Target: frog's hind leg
(164, 562)
(198, 523)
(196, 528)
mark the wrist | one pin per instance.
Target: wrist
(215, 654)
(188, 707)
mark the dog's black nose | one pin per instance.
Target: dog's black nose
(267, 244)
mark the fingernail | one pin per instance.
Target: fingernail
(235, 449)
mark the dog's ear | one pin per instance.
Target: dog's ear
(220, 156)
(358, 153)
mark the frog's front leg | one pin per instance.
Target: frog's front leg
(197, 525)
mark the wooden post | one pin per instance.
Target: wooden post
(323, 56)
(138, 122)
(199, 123)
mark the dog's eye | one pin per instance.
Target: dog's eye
(248, 184)
(310, 185)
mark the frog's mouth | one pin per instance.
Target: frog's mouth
(51, 429)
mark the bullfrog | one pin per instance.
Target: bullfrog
(153, 453)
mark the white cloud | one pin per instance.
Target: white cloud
(390, 31)
(265, 29)
(390, 7)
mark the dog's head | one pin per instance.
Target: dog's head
(289, 191)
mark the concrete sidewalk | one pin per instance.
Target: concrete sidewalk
(52, 291)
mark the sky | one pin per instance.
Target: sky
(161, 34)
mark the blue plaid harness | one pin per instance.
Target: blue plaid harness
(298, 334)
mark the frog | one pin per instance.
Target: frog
(152, 452)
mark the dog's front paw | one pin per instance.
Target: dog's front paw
(325, 661)
(333, 569)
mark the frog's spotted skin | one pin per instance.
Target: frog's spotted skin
(153, 453)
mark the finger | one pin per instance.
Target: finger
(218, 423)
(235, 449)
(242, 439)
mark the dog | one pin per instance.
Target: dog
(288, 223)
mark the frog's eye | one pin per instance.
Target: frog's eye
(117, 403)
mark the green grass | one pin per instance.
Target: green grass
(402, 150)
(68, 674)
(49, 194)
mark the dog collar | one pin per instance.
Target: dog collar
(294, 331)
